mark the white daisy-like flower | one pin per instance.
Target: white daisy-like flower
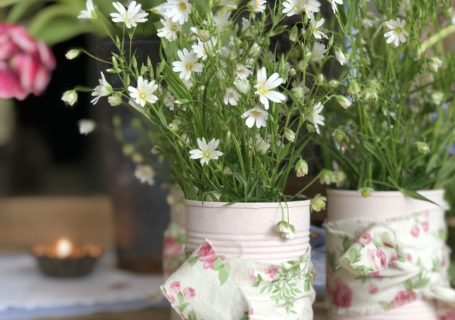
(257, 5)
(205, 49)
(104, 89)
(145, 174)
(206, 151)
(316, 118)
(176, 10)
(265, 86)
(169, 29)
(318, 51)
(256, 116)
(397, 33)
(130, 16)
(316, 27)
(243, 85)
(231, 97)
(260, 145)
(334, 4)
(222, 19)
(187, 65)
(340, 56)
(89, 12)
(144, 92)
(242, 72)
(295, 7)
(86, 126)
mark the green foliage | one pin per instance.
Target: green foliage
(398, 133)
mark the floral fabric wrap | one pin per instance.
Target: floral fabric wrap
(173, 248)
(374, 267)
(209, 287)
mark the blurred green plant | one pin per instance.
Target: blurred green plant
(55, 21)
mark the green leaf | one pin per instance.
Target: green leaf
(223, 275)
(59, 30)
(192, 260)
(408, 285)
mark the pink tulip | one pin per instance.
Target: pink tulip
(25, 63)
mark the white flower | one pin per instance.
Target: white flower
(169, 30)
(257, 5)
(144, 92)
(334, 4)
(222, 19)
(70, 97)
(206, 151)
(340, 56)
(204, 49)
(104, 89)
(264, 88)
(89, 12)
(145, 174)
(318, 51)
(177, 10)
(316, 118)
(256, 116)
(131, 16)
(260, 145)
(294, 7)
(231, 97)
(242, 72)
(187, 65)
(243, 85)
(315, 26)
(86, 126)
(397, 32)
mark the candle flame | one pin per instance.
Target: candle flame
(64, 248)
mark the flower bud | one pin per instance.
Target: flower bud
(72, 54)
(294, 34)
(354, 88)
(115, 100)
(318, 203)
(326, 177)
(334, 83)
(285, 229)
(423, 147)
(340, 56)
(366, 192)
(435, 63)
(289, 134)
(339, 177)
(301, 168)
(343, 101)
(70, 97)
(339, 135)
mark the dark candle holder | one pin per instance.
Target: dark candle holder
(77, 261)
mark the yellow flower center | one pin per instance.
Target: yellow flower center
(183, 6)
(189, 66)
(255, 114)
(174, 28)
(142, 95)
(206, 154)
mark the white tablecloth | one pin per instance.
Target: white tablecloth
(26, 294)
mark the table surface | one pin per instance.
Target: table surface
(154, 314)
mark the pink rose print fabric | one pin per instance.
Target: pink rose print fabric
(173, 248)
(375, 267)
(208, 286)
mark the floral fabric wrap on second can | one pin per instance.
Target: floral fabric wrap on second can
(212, 287)
(374, 267)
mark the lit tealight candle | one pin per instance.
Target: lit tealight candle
(64, 248)
(65, 258)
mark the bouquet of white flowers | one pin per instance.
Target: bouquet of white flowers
(233, 115)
